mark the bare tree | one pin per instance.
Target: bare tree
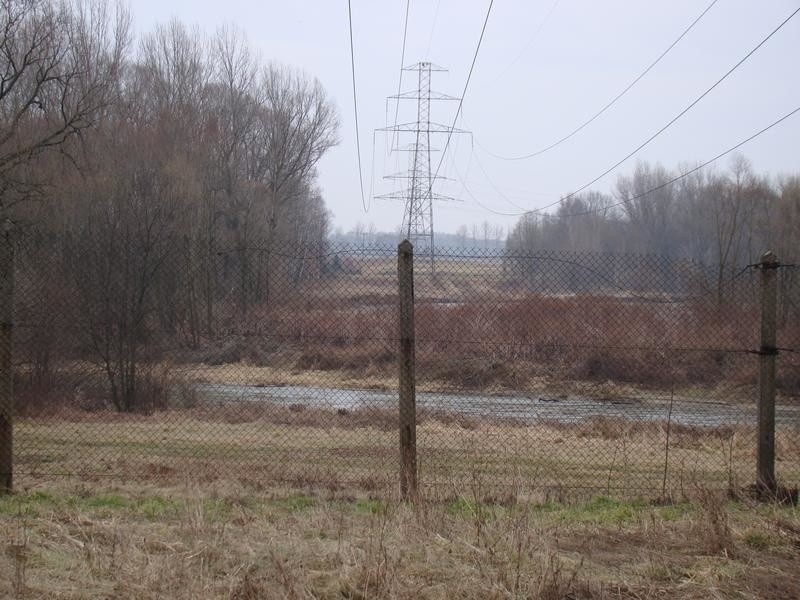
(462, 233)
(651, 215)
(297, 126)
(59, 69)
(727, 208)
(115, 250)
(785, 230)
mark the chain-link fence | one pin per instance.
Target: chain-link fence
(541, 371)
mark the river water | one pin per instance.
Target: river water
(529, 409)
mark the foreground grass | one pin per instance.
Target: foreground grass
(224, 540)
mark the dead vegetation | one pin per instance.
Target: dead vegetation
(500, 340)
(471, 335)
(226, 540)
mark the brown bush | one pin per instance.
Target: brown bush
(84, 388)
(646, 368)
(481, 342)
(471, 372)
(787, 377)
(713, 529)
(58, 390)
(356, 357)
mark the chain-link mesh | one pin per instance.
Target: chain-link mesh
(788, 377)
(623, 374)
(600, 372)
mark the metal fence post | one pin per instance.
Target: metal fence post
(6, 376)
(408, 407)
(765, 476)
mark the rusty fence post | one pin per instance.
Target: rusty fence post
(6, 376)
(768, 353)
(407, 383)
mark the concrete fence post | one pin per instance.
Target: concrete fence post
(6, 376)
(768, 353)
(407, 387)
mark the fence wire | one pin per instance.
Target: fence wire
(541, 371)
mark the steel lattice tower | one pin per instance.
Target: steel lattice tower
(419, 195)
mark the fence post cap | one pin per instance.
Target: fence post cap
(405, 246)
(769, 258)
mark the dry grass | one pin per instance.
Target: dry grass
(266, 443)
(225, 540)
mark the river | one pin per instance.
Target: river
(525, 408)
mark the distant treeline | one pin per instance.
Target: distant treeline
(485, 235)
(723, 219)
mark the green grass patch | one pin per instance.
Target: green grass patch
(469, 509)
(598, 511)
(602, 511)
(299, 503)
(546, 507)
(462, 508)
(26, 504)
(369, 507)
(112, 501)
(757, 540)
(217, 509)
(157, 507)
(674, 512)
(148, 507)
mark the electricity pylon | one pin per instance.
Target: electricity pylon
(419, 195)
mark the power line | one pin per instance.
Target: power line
(531, 40)
(402, 64)
(372, 170)
(463, 181)
(433, 29)
(693, 170)
(490, 181)
(513, 192)
(609, 104)
(674, 119)
(464, 93)
(660, 186)
(495, 187)
(355, 106)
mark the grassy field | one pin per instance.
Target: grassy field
(228, 540)
(359, 449)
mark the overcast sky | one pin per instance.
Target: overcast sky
(544, 68)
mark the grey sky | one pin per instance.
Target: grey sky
(527, 91)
